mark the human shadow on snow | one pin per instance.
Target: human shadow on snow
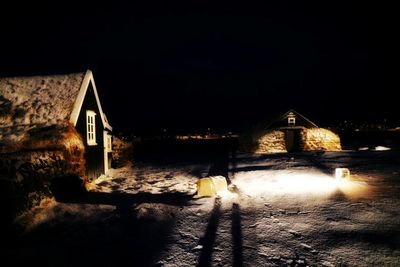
(208, 239)
(237, 236)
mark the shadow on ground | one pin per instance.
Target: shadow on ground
(117, 238)
(133, 233)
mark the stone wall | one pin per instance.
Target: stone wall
(312, 139)
(26, 177)
(27, 174)
(317, 139)
(271, 142)
(121, 152)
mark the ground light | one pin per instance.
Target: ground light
(297, 182)
(275, 182)
(211, 186)
(342, 173)
(284, 182)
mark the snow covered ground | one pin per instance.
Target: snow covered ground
(289, 211)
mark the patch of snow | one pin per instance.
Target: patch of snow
(265, 229)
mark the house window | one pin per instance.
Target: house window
(109, 143)
(291, 121)
(91, 127)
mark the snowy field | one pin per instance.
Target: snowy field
(289, 211)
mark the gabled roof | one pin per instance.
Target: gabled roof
(38, 100)
(42, 101)
(81, 96)
(300, 120)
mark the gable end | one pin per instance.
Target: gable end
(87, 80)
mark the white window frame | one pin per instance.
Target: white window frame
(109, 143)
(291, 121)
(91, 128)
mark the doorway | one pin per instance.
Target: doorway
(293, 141)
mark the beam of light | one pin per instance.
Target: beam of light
(355, 188)
(289, 182)
(276, 182)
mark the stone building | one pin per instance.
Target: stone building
(291, 132)
(50, 126)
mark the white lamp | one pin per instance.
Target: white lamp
(342, 173)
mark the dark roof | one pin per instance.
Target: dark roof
(281, 121)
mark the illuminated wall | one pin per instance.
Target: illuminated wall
(271, 142)
(312, 139)
(320, 139)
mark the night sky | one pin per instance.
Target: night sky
(226, 67)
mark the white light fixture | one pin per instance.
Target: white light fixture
(342, 173)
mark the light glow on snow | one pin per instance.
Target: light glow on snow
(256, 183)
(354, 189)
(284, 182)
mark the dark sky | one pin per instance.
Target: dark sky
(228, 67)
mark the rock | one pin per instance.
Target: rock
(253, 225)
(250, 247)
(295, 233)
(305, 246)
(217, 259)
(289, 262)
(187, 235)
(292, 212)
(274, 258)
(314, 251)
(301, 262)
(198, 247)
(281, 211)
(304, 212)
(170, 258)
(327, 264)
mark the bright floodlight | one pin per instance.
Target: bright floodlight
(342, 173)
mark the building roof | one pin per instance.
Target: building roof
(281, 121)
(42, 101)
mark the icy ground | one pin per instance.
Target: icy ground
(289, 211)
